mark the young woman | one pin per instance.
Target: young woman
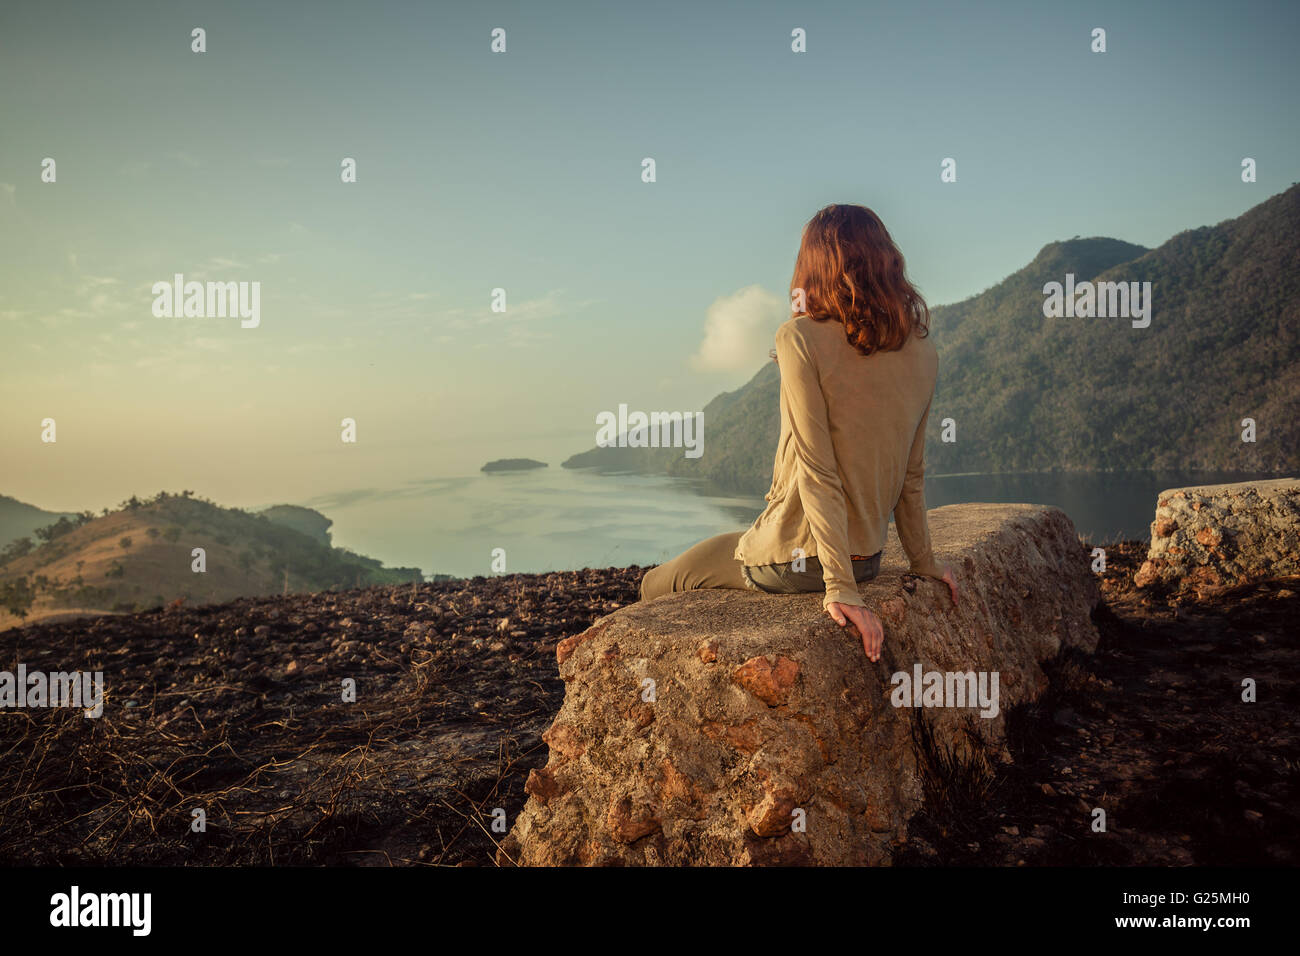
(857, 374)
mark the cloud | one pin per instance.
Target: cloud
(90, 283)
(93, 297)
(530, 310)
(738, 330)
(213, 264)
(7, 191)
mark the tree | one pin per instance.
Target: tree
(16, 549)
(16, 596)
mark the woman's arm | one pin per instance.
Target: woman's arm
(818, 479)
(909, 513)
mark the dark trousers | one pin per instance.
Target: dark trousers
(712, 564)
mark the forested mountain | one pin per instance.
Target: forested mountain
(1030, 393)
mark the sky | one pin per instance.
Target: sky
(522, 171)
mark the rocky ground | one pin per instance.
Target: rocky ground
(1152, 729)
(237, 710)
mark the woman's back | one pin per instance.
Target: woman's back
(874, 406)
(850, 452)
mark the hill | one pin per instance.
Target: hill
(741, 430)
(308, 521)
(512, 464)
(1030, 393)
(19, 520)
(140, 557)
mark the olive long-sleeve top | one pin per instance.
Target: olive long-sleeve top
(851, 451)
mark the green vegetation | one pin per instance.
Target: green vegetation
(16, 596)
(16, 549)
(19, 520)
(303, 520)
(1036, 394)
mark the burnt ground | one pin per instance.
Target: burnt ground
(1152, 729)
(237, 710)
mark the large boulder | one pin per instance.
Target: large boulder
(1210, 539)
(722, 727)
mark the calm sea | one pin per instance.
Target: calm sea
(558, 519)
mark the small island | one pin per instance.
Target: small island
(513, 464)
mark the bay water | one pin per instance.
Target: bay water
(556, 519)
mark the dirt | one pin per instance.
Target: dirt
(1153, 730)
(238, 711)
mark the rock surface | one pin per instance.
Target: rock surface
(733, 728)
(1218, 537)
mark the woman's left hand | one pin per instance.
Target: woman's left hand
(867, 624)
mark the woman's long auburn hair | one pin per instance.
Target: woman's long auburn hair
(850, 270)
